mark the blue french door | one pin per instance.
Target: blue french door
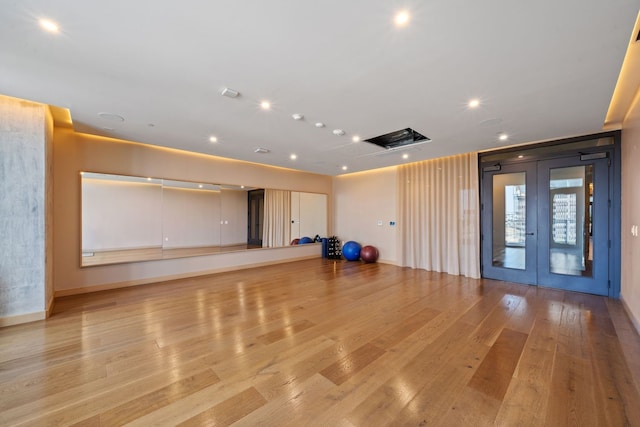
(546, 223)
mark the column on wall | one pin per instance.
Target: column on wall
(25, 189)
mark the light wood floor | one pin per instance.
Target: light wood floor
(324, 343)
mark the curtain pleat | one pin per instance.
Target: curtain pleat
(276, 230)
(439, 215)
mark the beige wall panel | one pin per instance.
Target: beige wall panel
(630, 286)
(360, 201)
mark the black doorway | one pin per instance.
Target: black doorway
(256, 218)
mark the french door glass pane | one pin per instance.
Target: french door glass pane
(509, 220)
(570, 239)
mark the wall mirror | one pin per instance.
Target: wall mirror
(129, 219)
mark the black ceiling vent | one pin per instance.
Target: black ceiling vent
(398, 139)
(638, 38)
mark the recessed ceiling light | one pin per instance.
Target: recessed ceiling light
(494, 121)
(344, 168)
(338, 132)
(503, 137)
(401, 19)
(474, 103)
(355, 138)
(213, 139)
(229, 93)
(405, 156)
(265, 105)
(49, 25)
(199, 185)
(293, 157)
(520, 156)
(149, 179)
(297, 116)
(111, 117)
(319, 125)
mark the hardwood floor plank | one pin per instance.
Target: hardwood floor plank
(526, 399)
(319, 342)
(480, 401)
(627, 338)
(386, 403)
(571, 401)
(75, 404)
(399, 332)
(433, 401)
(277, 335)
(89, 422)
(21, 390)
(192, 405)
(290, 409)
(229, 411)
(351, 364)
(496, 370)
(473, 408)
(142, 405)
(613, 382)
(278, 376)
(489, 329)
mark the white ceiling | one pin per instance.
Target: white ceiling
(542, 69)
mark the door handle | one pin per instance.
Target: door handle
(530, 234)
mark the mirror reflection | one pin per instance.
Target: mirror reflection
(127, 218)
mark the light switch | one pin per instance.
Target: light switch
(380, 222)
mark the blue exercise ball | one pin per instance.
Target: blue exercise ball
(304, 240)
(351, 250)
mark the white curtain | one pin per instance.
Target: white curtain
(277, 218)
(440, 216)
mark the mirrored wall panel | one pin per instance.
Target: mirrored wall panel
(129, 219)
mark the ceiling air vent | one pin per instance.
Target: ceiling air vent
(398, 139)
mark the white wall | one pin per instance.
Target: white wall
(120, 215)
(313, 215)
(308, 215)
(630, 274)
(363, 199)
(190, 218)
(234, 217)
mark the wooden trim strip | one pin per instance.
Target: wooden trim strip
(49, 309)
(22, 318)
(634, 321)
